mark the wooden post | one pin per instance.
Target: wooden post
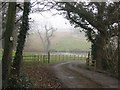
(87, 61)
(93, 63)
(74, 57)
(59, 57)
(78, 57)
(55, 57)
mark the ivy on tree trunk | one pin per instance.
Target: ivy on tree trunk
(21, 41)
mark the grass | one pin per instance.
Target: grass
(30, 57)
(70, 43)
(60, 41)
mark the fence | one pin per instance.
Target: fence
(53, 57)
(90, 62)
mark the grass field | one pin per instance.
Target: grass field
(70, 43)
(43, 59)
(61, 41)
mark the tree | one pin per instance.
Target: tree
(119, 43)
(3, 10)
(8, 43)
(21, 41)
(49, 31)
(97, 19)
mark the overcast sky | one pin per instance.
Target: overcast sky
(46, 18)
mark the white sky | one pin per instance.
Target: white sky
(57, 21)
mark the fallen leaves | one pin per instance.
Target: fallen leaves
(41, 76)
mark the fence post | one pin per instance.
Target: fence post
(48, 56)
(34, 57)
(69, 57)
(93, 63)
(56, 57)
(88, 60)
(74, 57)
(43, 58)
(78, 57)
(66, 57)
(38, 57)
(63, 57)
(59, 57)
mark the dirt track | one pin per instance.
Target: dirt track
(72, 76)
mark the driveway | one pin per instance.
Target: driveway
(73, 76)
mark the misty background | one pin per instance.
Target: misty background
(65, 38)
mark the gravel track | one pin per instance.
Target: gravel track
(72, 76)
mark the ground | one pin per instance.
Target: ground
(71, 74)
(42, 76)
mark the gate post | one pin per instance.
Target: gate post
(88, 59)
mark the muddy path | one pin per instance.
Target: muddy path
(72, 76)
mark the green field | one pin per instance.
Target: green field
(61, 41)
(43, 58)
(70, 43)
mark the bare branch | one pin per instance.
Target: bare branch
(18, 5)
(18, 20)
(42, 39)
(46, 39)
(47, 6)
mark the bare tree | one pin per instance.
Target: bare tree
(49, 31)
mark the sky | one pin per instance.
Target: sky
(46, 18)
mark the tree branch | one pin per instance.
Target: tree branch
(41, 39)
(82, 13)
(18, 5)
(82, 26)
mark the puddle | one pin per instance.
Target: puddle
(70, 77)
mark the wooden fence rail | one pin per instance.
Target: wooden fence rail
(44, 57)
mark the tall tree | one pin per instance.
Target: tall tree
(16, 67)
(3, 10)
(21, 40)
(119, 44)
(8, 43)
(97, 19)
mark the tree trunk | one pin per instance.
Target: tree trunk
(8, 43)
(21, 41)
(119, 50)
(15, 35)
(100, 43)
